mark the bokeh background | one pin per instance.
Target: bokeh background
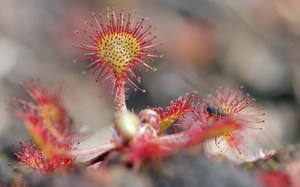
(207, 44)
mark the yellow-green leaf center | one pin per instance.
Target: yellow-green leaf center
(117, 49)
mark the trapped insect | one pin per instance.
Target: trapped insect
(215, 111)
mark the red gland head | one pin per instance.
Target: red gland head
(118, 47)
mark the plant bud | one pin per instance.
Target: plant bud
(127, 125)
(150, 116)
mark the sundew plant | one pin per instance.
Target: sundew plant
(116, 48)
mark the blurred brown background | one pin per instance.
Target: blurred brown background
(207, 43)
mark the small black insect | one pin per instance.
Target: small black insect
(215, 111)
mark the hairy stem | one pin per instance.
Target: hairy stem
(120, 103)
(175, 139)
